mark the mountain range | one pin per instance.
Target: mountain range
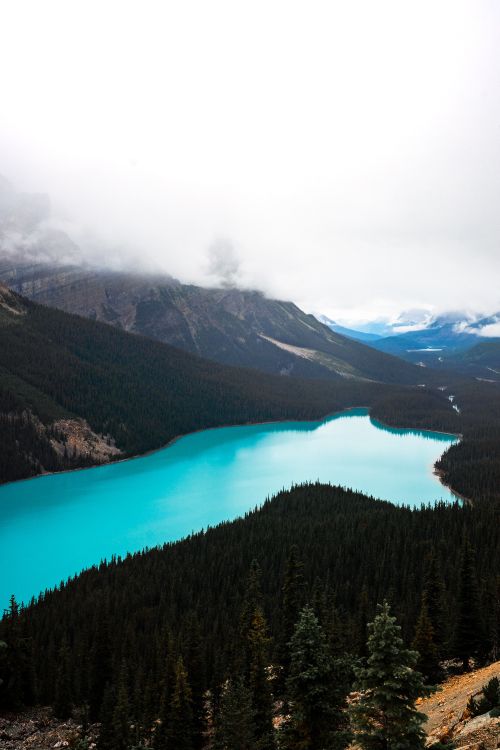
(453, 340)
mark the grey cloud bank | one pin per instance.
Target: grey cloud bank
(348, 154)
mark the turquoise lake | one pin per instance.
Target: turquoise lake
(53, 526)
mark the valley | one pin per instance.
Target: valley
(199, 481)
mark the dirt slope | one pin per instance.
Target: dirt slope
(448, 718)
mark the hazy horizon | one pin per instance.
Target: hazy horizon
(344, 156)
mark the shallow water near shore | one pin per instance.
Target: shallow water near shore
(52, 527)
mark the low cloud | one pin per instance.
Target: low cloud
(223, 263)
(492, 330)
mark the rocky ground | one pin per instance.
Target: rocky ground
(449, 719)
(80, 440)
(36, 729)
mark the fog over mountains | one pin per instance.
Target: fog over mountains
(358, 178)
(40, 258)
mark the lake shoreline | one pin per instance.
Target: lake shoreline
(172, 441)
(183, 435)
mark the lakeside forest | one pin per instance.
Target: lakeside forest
(204, 640)
(140, 394)
(171, 647)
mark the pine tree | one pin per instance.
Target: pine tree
(434, 595)
(181, 729)
(293, 597)
(195, 666)
(121, 714)
(252, 601)
(235, 724)
(424, 644)
(100, 667)
(106, 732)
(494, 618)
(468, 637)
(167, 687)
(385, 717)
(62, 700)
(362, 623)
(314, 691)
(258, 646)
(17, 668)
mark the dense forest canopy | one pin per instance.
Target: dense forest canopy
(187, 600)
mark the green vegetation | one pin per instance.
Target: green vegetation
(384, 716)
(173, 623)
(140, 392)
(489, 700)
(143, 393)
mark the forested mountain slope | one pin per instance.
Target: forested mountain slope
(132, 393)
(231, 326)
(481, 361)
(75, 392)
(126, 623)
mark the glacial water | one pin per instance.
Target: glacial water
(52, 527)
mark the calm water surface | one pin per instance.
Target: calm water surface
(53, 526)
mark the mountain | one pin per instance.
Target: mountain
(231, 326)
(442, 335)
(77, 392)
(236, 327)
(349, 332)
(481, 361)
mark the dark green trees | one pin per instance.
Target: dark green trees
(100, 666)
(121, 714)
(17, 678)
(468, 637)
(236, 725)
(293, 596)
(62, 699)
(424, 643)
(384, 717)
(260, 690)
(434, 597)
(315, 697)
(181, 729)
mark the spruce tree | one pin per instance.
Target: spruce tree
(106, 733)
(235, 724)
(62, 699)
(292, 601)
(181, 729)
(258, 646)
(121, 714)
(362, 624)
(167, 687)
(314, 691)
(195, 666)
(251, 602)
(494, 618)
(100, 667)
(468, 636)
(424, 644)
(434, 595)
(385, 717)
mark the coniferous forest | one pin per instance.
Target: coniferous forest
(263, 280)
(253, 633)
(143, 393)
(203, 638)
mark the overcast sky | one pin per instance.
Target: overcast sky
(345, 155)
